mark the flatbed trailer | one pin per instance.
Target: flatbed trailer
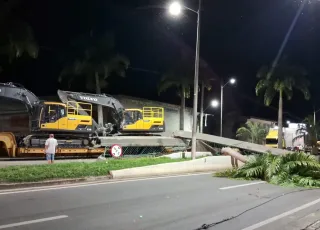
(9, 147)
(152, 144)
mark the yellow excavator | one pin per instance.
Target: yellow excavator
(71, 119)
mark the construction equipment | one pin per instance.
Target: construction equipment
(71, 119)
(148, 119)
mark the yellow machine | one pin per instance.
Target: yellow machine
(55, 116)
(272, 139)
(150, 119)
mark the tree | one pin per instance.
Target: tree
(16, 35)
(284, 78)
(309, 132)
(94, 62)
(253, 132)
(180, 76)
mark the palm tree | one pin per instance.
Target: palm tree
(94, 64)
(16, 35)
(285, 77)
(180, 76)
(297, 168)
(253, 132)
(309, 132)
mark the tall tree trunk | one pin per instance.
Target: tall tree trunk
(98, 91)
(280, 135)
(182, 107)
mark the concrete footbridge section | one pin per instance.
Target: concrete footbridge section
(220, 142)
(180, 141)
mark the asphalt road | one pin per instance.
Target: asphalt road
(184, 202)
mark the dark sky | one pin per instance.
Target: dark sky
(237, 37)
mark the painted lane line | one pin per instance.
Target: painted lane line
(44, 188)
(32, 222)
(242, 185)
(275, 218)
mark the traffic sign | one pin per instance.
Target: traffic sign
(116, 151)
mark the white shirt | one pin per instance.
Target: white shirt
(52, 144)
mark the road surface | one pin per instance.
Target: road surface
(178, 202)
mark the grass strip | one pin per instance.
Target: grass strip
(35, 173)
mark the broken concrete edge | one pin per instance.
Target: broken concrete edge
(4, 186)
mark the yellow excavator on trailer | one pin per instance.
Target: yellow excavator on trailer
(71, 119)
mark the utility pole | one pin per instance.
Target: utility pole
(201, 108)
(195, 97)
(221, 108)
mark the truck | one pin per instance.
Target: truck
(293, 137)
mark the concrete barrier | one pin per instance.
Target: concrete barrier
(207, 164)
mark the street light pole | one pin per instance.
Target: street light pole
(221, 108)
(195, 97)
(231, 81)
(201, 109)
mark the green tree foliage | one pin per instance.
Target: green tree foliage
(297, 169)
(310, 132)
(253, 132)
(93, 62)
(16, 34)
(285, 78)
(181, 77)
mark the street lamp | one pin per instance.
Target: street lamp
(175, 9)
(231, 81)
(214, 103)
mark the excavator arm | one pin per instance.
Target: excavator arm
(97, 99)
(17, 92)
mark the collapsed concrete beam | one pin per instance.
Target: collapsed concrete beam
(142, 141)
(230, 143)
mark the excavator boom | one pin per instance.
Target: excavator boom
(17, 92)
(97, 99)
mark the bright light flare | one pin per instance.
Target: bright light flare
(175, 8)
(232, 81)
(214, 103)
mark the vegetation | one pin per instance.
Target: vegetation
(16, 35)
(284, 78)
(34, 173)
(253, 132)
(95, 61)
(180, 76)
(310, 133)
(297, 169)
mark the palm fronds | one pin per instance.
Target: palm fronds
(253, 132)
(297, 169)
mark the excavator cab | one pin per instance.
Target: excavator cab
(70, 117)
(150, 119)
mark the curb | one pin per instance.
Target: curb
(4, 186)
(207, 164)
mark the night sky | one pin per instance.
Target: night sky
(237, 37)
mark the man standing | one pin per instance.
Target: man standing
(51, 148)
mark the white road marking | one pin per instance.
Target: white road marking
(32, 222)
(242, 185)
(275, 218)
(57, 187)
